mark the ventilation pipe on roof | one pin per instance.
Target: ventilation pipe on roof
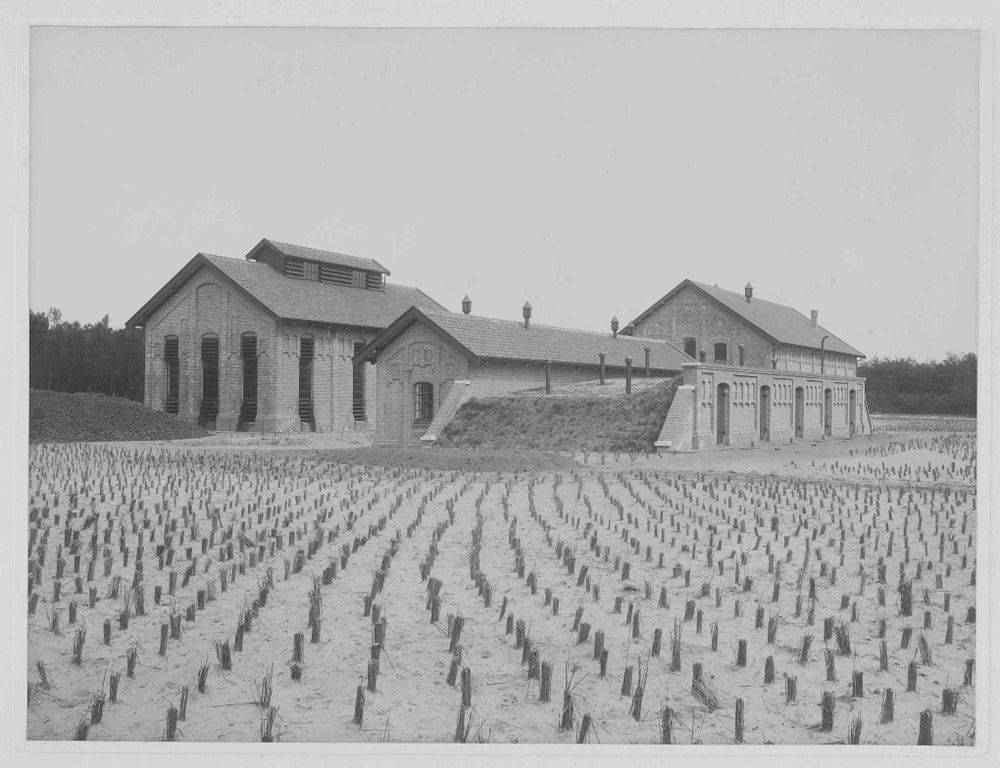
(748, 292)
(813, 317)
(526, 313)
(466, 304)
(614, 327)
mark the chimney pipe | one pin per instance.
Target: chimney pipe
(614, 327)
(748, 292)
(813, 317)
(466, 304)
(526, 313)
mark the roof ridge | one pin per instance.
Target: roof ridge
(544, 326)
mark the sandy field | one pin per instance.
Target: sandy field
(819, 593)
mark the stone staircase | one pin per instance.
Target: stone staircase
(457, 395)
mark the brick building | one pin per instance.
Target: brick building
(430, 362)
(757, 372)
(267, 343)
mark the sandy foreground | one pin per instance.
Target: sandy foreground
(767, 550)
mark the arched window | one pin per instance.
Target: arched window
(423, 402)
(690, 347)
(173, 365)
(721, 353)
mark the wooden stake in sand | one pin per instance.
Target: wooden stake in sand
(359, 707)
(925, 737)
(826, 712)
(738, 738)
(888, 706)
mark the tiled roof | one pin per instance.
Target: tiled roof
(314, 301)
(327, 257)
(783, 324)
(487, 337)
(304, 300)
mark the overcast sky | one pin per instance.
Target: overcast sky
(589, 171)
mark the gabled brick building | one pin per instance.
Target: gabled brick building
(267, 342)
(759, 371)
(430, 362)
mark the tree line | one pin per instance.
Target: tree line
(70, 357)
(902, 385)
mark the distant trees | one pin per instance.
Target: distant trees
(69, 357)
(898, 385)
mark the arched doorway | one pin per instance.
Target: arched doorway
(765, 413)
(722, 415)
(828, 412)
(852, 407)
(800, 408)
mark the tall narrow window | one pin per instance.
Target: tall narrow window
(248, 354)
(423, 403)
(721, 354)
(209, 410)
(741, 355)
(359, 384)
(173, 363)
(307, 350)
(690, 348)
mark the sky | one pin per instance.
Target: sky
(588, 171)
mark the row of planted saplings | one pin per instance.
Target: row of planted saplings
(248, 613)
(949, 697)
(542, 671)
(456, 672)
(375, 611)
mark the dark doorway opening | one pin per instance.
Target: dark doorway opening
(172, 360)
(307, 352)
(248, 406)
(852, 408)
(765, 413)
(358, 394)
(800, 415)
(828, 412)
(722, 415)
(208, 412)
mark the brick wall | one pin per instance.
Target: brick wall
(689, 314)
(422, 354)
(205, 304)
(700, 429)
(332, 376)
(493, 377)
(419, 354)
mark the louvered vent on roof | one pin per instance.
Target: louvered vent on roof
(331, 273)
(376, 281)
(295, 268)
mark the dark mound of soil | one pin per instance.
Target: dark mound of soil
(451, 458)
(581, 423)
(60, 417)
